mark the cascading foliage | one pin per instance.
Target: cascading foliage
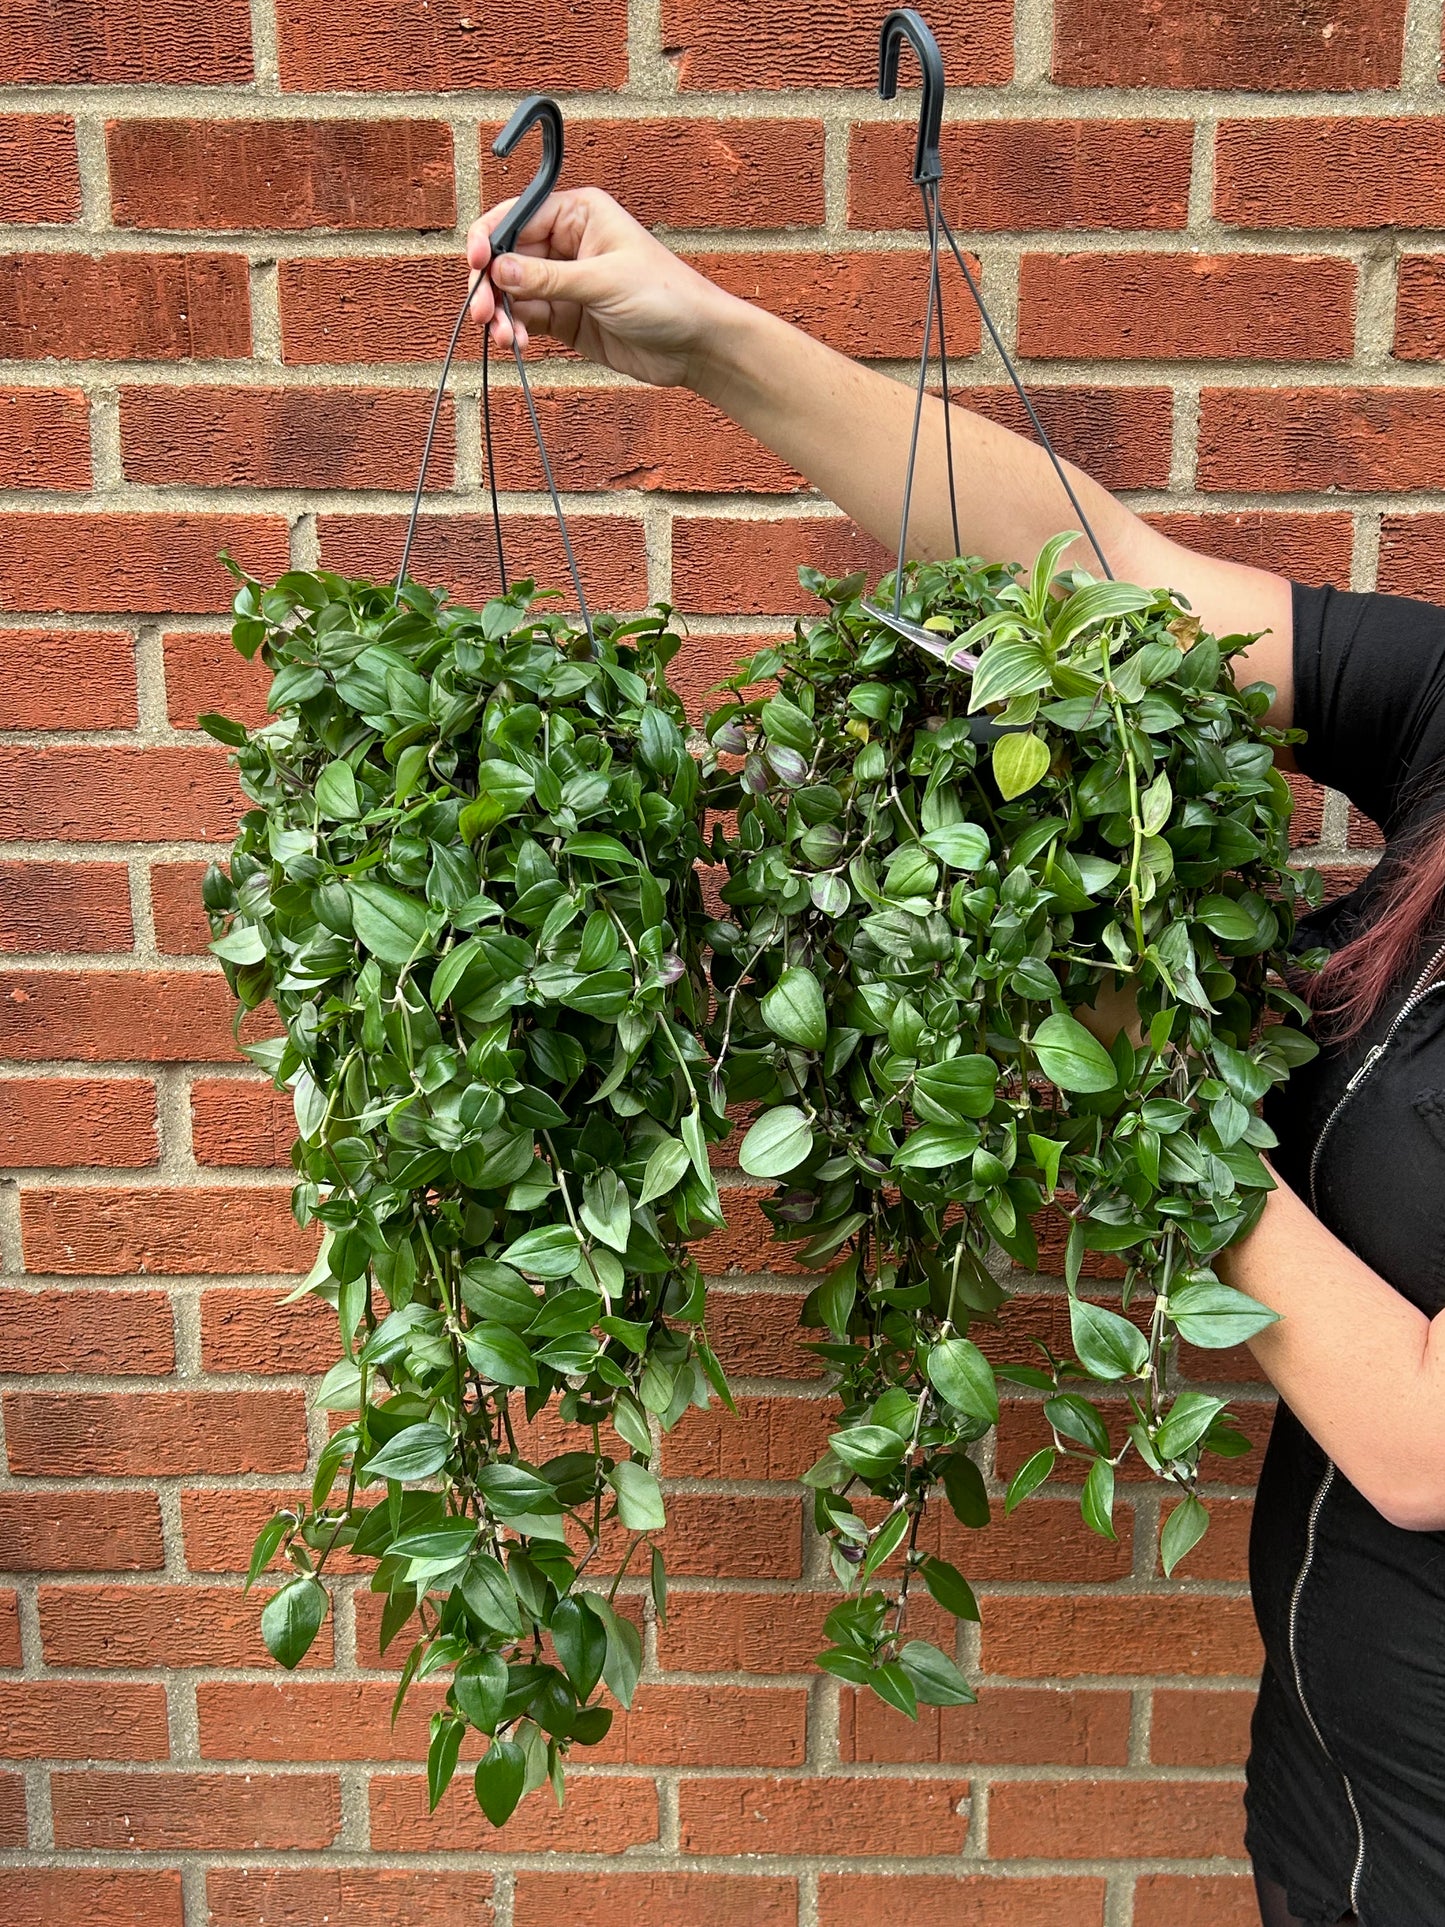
(469, 887)
(918, 916)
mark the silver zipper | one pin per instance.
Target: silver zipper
(1423, 988)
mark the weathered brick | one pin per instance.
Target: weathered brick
(361, 1896)
(284, 174)
(39, 172)
(123, 1017)
(850, 299)
(1223, 1552)
(1307, 547)
(65, 1720)
(9, 1629)
(458, 552)
(177, 912)
(1121, 436)
(601, 1816)
(730, 46)
(76, 791)
(41, 1896)
(304, 438)
(63, 906)
(596, 1899)
(1186, 307)
(1169, 43)
(836, 1814)
(13, 1822)
(68, 679)
(154, 1626)
(721, 566)
(757, 1335)
(114, 1332)
(1338, 173)
(124, 307)
(1412, 556)
(247, 1330)
(770, 1438)
(191, 1812)
(134, 564)
(445, 48)
(1195, 1900)
(943, 1900)
(1327, 440)
(685, 171)
(206, 674)
(1200, 1729)
(1420, 308)
(1115, 1819)
(184, 43)
(154, 1434)
(67, 1531)
(1027, 174)
(1010, 1726)
(1198, 1635)
(241, 1123)
(44, 437)
(219, 1524)
(169, 1230)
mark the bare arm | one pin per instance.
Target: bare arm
(1361, 1368)
(587, 273)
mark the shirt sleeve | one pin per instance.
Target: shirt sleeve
(1369, 680)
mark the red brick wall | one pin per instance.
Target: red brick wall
(230, 263)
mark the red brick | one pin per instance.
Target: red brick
(9, 1630)
(246, 1330)
(200, 1812)
(206, 675)
(734, 47)
(944, 1900)
(114, 1332)
(756, 1334)
(44, 438)
(702, 1538)
(39, 173)
(459, 553)
(755, 1632)
(166, 1230)
(711, 1726)
(1200, 1729)
(219, 1525)
(155, 1627)
(1121, 436)
(1412, 555)
(1169, 43)
(446, 47)
(281, 174)
(633, 438)
(76, 679)
(1023, 1430)
(1198, 1635)
(1337, 173)
(135, 564)
(1310, 548)
(124, 1017)
(65, 1720)
(1340, 878)
(1046, 1539)
(1361, 833)
(64, 906)
(851, 300)
(240, 1123)
(771, 1438)
(305, 438)
(361, 1896)
(1195, 1900)
(601, 1816)
(685, 172)
(834, 1815)
(592, 1899)
(124, 307)
(1322, 439)
(12, 1810)
(373, 308)
(1010, 1726)
(1027, 174)
(117, 795)
(1306, 823)
(92, 1897)
(1186, 307)
(181, 925)
(154, 1434)
(1420, 308)
(186, 43)
(68, 1532)
(1114, 1819)
(721, 566)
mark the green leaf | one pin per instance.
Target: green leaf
(623, 1666)
(513, 1490)
(959, 1372)
(223, 729)
(551, 1251)
(581, 1642)
(1077, 1419)
(500, 1780)
(778, 1143)
(665, 1167)
(268, 1541)
(1047, 1152)
(1226, 917)
(502, 790)
(393, 926)
(1096, 602)
(962, 846)
(489, 1594)
(1183, 1529)
(893, 1686)
(948, 1586)
(1007, 669)
(416, 1452)
(1107, 1345)
(965, 1490)
(480, 1685)
(1213, 1315)
(1072, 1057)
(1097, 1499)
(1029, 1477)
(441, 1756)
(336, 792)
(794, 1009)
(291, 1619)
(639, 1497)
(1020, 760)
(936, 1679)
(1190, 1417)
(957, 1088)
(243, 943)
(607, 1209)
(871, 1450)
(500, 1355)
(936, 1147)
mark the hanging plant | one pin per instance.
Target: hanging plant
(467, 884)
(918, 919)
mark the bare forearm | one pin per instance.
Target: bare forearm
(1361, 1367)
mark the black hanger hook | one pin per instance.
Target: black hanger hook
(906, 23)
(537, 110)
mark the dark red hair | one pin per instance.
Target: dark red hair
(1360, 975)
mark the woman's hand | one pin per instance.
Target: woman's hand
(586, 273)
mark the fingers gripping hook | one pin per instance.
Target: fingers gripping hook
(906, 23)
(537, 110)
